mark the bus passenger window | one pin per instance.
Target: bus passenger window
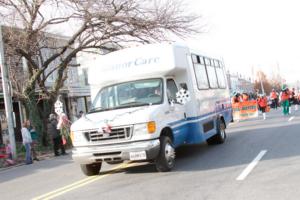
(213, 81)
(201, 76)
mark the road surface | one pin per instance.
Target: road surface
(259, 160)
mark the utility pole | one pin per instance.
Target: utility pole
(278, 73)
(7, 98)
(261, 84)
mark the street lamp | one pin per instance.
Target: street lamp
(261, 84)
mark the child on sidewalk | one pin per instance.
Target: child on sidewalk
(9, 159)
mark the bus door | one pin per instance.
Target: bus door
(177, 113)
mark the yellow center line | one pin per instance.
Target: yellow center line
(80, 183)
(65, 187)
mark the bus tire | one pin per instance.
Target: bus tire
(166, 158)
(91, 169)
(220, 137)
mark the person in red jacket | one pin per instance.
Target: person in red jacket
(263, 103)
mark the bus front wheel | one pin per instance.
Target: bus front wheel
(166, 158)
(91, 169)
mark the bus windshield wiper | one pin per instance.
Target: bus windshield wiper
(96, 109)
(133, 103)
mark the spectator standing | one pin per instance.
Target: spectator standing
(34, 137)
(56, 136)
(26, 139)
(80, 114)
(64, 125)
(77, 117)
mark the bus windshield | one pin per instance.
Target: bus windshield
(129, 94)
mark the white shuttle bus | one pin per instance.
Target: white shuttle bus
(149, 100)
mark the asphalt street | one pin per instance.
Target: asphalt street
(259, 160)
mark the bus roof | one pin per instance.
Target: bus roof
(152, 60)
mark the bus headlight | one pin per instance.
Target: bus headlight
(149, 127)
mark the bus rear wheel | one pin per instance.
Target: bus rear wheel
(91, 169)
(166, 158)
(220, 137)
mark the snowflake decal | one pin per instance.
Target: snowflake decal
(183, 96)
(58, 107)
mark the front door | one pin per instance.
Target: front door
(177, 114)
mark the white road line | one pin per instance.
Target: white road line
(251, 166)
(291, 118)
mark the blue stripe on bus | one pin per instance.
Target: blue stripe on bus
(198, 117)
(192, 132)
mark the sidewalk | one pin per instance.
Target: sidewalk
(21, 161)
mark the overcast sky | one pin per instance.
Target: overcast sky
(258, 33)
(262, 34)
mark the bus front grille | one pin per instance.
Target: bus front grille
(116, 134)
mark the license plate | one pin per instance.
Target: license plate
(140, 155)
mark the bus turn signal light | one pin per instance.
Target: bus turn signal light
(151, 126)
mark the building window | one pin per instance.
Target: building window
(85, 76)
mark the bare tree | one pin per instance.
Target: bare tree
(95, 24)
(262, 77)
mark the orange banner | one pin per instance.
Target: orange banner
(245, 110)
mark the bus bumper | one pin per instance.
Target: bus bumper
(116, 152)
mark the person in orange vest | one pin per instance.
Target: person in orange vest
(291, 99)
(245, 97)
(263, 103)
(257, 100)
(294, 99)
(236, 98)
(284, 100)
(298, 97)
(274, 99)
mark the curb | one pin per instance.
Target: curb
(41, 158)
(46, 156)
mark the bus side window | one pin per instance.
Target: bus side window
(171, 90)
